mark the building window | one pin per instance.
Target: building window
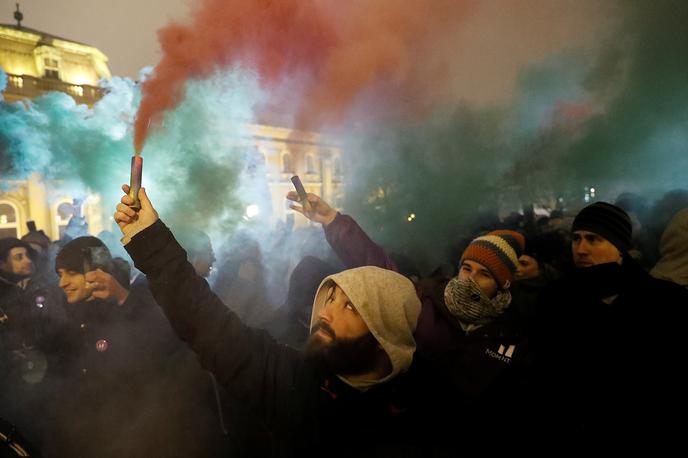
(286, 163)
(310, 164)
(9, 224)
(52, 68)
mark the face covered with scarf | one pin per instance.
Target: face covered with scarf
(465, 300)
(480, 293)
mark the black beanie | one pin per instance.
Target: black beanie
(608, 221)
(84, 254)
(8, 243)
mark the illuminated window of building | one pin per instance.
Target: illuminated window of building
(77, 90)
(286, 163)
(52, 68)
(17, 81)
(9, 224)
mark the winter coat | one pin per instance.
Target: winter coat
(482, 374)
(610, 372)
(307, 409)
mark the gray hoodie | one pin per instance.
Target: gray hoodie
(389, 305)
(673, 247)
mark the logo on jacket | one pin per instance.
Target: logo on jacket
(102, 345)
(504, 354)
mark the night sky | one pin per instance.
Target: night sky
(123, 29)
(497, 38)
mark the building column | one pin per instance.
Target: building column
(327, 174)
(37, 209)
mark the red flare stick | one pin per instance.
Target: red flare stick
(135, 180)
(301, 191)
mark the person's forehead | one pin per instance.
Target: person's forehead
(475, 265)
(588, 233)
(17, 250)
(68, 272)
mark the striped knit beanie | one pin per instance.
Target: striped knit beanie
(498, 251)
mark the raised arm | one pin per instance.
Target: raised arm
(345, 236)
(246, 361)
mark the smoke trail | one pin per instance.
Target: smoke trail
(197, 159)
(333, 49)
(264, 35)
(641, 141)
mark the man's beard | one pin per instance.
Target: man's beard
(344, 356)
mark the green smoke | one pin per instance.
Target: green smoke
(615, 117)
(640, 142)
(193, 164)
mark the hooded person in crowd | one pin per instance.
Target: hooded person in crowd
(347, 394)
(467, 328)
(290, 324)
(608, 342)
(673, 251)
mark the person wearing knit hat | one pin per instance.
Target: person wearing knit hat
(87, 271)
(16, 259)
(586, 321)
(467, 330)
(601, 233)
(480, 293)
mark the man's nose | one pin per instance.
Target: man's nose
(324, 313)
(581, 248)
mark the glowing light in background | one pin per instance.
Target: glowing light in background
(252, 211)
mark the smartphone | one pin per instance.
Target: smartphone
(31, 226)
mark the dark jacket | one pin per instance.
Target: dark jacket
(307, 409)
(610, 372)
(484, 373)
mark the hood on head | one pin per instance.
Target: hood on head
(388, 304)
(673, 248)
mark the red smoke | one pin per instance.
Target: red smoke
(337, 48)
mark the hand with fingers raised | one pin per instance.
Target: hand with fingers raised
(320, 211)
(131, 221)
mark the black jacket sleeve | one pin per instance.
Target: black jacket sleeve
(262, 374)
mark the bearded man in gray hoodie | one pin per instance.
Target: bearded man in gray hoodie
(349, 394)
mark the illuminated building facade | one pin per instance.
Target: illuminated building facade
(37, 63)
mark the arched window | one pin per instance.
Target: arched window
(286, 163)
(9, 221)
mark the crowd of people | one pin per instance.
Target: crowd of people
(559, 331)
